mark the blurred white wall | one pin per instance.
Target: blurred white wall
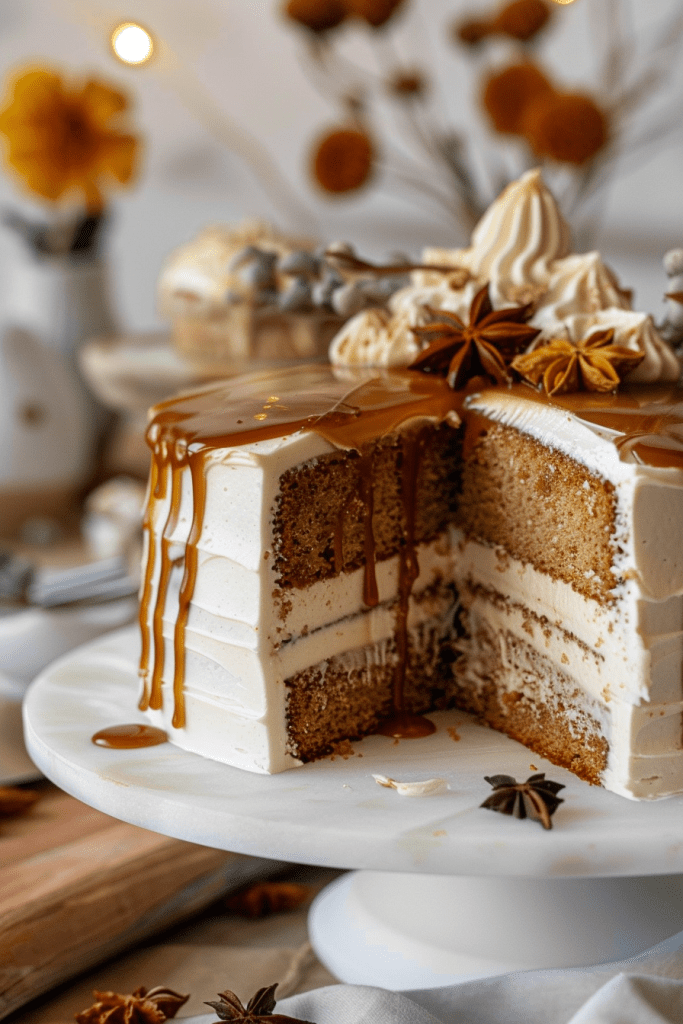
(247, 60)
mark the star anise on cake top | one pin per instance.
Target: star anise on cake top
(536, 798)
(143, 1006)
(259, 1009)
(483, 348)
(592, 364)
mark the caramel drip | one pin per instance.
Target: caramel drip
(146, 590)
(338, 541)
(198, 470)
(402, 724)
(128, 737)
(370, 591)
(155, 699)
(408, 569)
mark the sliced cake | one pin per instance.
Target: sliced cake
(497, 525)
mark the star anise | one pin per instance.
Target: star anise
(152, 1006)
(536, 798)
(14, 800)
(259, 1009)
(265, 898)
(484, 347)
(592, 364)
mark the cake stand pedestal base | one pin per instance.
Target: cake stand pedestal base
(406, 931)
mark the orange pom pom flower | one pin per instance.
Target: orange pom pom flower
(316, 15)
(508, 93)
(522, 19)
(343, 160)
(567, 127)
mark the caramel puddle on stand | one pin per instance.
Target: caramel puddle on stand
(128, 737)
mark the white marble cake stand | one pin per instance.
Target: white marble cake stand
(446, 889)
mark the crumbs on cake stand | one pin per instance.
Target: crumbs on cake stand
(343, 749)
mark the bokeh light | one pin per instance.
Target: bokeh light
(131, 43)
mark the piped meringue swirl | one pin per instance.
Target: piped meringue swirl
(521, 248)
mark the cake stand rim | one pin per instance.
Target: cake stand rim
(481, 844)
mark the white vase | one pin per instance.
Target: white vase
(50, 424)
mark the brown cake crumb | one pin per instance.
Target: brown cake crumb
(343, 749)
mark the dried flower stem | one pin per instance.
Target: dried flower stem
(426, 138)
(240, 141)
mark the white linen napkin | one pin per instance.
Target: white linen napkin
(647, 989)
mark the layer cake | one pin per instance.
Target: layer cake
(335, 550)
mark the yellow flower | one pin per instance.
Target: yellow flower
(64, 138)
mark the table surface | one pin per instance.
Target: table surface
(332, 813)
(215, 948)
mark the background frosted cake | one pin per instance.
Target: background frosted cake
(248, 294)
(332, 553)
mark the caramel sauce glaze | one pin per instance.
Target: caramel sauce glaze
(129, 737)
(350, 409)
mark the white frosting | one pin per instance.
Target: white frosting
(645, 759)
(198, 278)
(520, 235)
(521, 248)
(374, 338)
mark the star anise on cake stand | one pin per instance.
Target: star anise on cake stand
(14, 800)
(259, 1009)
(536, 798)
(143, 1006)
(592, 364)
(483, 348)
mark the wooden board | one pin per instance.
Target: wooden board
(77, 887)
